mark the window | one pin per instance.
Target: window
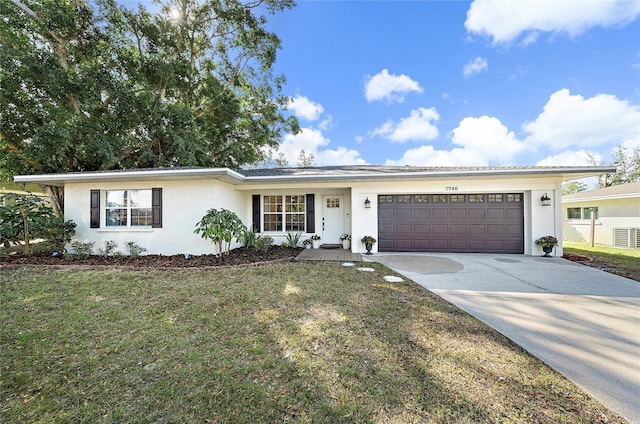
(476, 198)
(457, 198)
(586, 212)
(285, 213)
(403, 199)
(582, 213)
(421, 198)
(333, 203)
(495, 198)
(385, 199)
(573, 213)
(439, 198)
(514, 197)
(128, 208)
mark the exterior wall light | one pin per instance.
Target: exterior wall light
(367, 203)
(546, 200)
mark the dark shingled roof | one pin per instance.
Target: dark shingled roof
(613, 191)
(347, 170)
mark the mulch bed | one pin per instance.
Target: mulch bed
(242, 256)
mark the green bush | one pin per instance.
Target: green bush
(249, 237)
(26, 217)
(109, 249)
(294, 239)
(263, 242)
(221, 227)
(134, 250)
(81, 249)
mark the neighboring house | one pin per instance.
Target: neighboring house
(616, 211)
(430, 209)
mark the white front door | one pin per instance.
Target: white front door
(332, 219)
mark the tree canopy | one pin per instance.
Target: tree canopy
(95, 86)
(627, 161)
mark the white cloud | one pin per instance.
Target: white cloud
(304, 108)
(418, 126)
(428, 156)
(391, 87)
(475, 66)
(484, 141)
(573, 121)
(326, 123)
(506, 20)
(488, 138)
(313, 142)
(570, 158)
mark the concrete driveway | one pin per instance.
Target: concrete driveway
(582, 322)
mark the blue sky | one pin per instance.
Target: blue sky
(461, 82)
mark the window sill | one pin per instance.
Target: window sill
(125, 230)
(582, 222)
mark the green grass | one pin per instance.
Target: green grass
(303, 342)
(625, 262)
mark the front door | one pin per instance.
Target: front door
(332, 219)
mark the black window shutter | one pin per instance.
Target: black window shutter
(95, 209)
(311, 213)
(255, 203)
(156, 207)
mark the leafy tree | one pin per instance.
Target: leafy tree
(95, 86)
(221, 227)
(24, 218)
(627, 161)
(573, 187)
(305, 160)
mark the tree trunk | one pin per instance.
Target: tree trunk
(56, 198)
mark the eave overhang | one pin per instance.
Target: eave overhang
(314, 175)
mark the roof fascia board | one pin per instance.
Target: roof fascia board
(581, 172)
(224, 174)
(234, 177)
(592, 198)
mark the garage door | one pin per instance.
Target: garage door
(490, 223)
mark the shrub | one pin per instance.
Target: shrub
(81, 249)
(134, 250)
(109, 249)
(249, 237)
(263, 243)
(294, 239)
(26, 217)
(221, 227)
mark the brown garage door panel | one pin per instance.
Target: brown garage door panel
(451, 223)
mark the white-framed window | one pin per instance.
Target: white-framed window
(284, 213)
(582, 213)
(128, 208)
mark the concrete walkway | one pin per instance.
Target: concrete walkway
(337, 254)
(582, 322)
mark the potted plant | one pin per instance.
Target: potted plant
(346, 241)
(547, 243)
(307, 243)
(315, 239)
(368, 243)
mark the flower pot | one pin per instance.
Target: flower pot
(316, 244)
(547, 250)
(346, 244)
(307, 246)
(368, 246)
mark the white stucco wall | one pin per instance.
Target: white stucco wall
(184, 202)
(612, 213)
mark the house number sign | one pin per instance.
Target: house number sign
(451, 188)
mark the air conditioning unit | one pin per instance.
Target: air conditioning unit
(626, 237)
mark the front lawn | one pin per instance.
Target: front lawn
(624, 262)
(301, 342)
